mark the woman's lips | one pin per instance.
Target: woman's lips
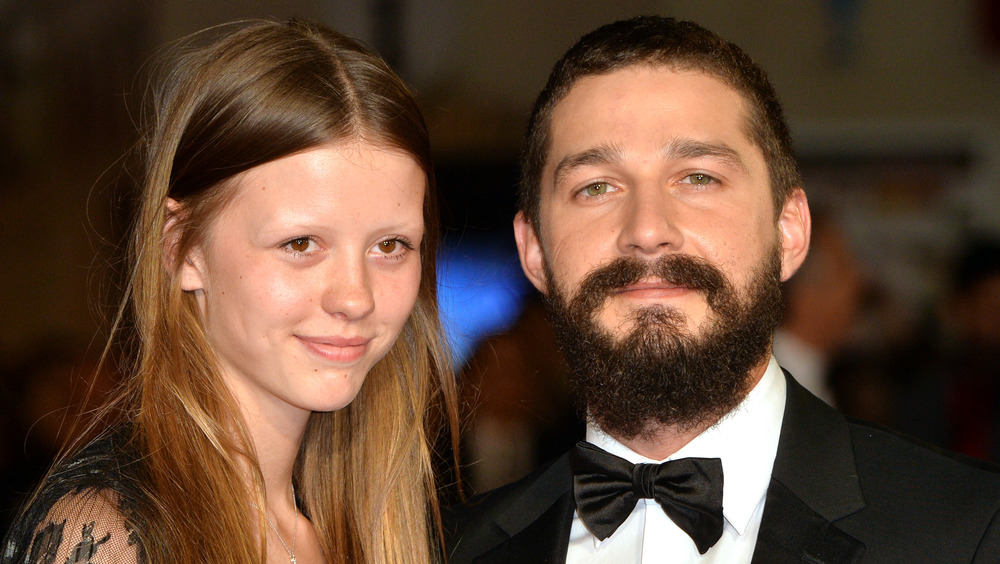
(336, 349)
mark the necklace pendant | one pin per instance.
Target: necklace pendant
(292, 560)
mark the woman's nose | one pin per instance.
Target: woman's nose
(348, 290)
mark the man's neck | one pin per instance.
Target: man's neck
(659, 442)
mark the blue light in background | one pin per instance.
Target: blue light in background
(481, 291)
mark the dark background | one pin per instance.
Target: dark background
(893, 106)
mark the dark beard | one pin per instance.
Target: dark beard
(659, 374)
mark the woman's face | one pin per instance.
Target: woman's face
(307, 276)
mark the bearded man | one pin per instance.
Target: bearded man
(661, 208)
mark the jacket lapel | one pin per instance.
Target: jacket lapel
(530, 524)
(792, 532)
(542, 541)
(814, 483)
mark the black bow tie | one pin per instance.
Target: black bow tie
(607, 488)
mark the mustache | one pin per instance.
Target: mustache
(686, 271)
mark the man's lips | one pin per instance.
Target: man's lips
(652, 290)
(336, 349)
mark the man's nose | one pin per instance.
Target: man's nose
(649, 222)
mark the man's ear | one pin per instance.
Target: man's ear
(191, 271)
(794, 227)
(530, 250)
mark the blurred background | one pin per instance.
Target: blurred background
(893, 107)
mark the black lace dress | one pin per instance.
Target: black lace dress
(89, 510)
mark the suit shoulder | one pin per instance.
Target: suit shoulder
(539, 488)
(916, 491)
(490, 519)
(897, 452)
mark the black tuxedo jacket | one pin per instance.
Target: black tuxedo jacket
(841, 491)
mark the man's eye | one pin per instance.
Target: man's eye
(598, 189)
(699, 179)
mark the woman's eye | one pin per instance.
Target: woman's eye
(300, 245)
(395, 248)
(598, 189)
(699, 179)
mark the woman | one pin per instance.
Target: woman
(285, 239)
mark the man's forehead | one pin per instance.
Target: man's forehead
(591, 108)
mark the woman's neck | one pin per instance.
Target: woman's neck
(276, 433)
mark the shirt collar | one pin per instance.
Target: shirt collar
(746, 440)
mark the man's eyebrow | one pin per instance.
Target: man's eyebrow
(692, 149)
(599, 155)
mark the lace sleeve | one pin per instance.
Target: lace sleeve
(84, 527)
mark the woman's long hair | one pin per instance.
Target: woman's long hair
(364, 474)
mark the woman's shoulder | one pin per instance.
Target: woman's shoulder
(108, 462)
(85, 526)
(88, 507)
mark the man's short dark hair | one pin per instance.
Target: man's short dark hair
(680, 45)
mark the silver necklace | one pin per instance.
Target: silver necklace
(295, 528)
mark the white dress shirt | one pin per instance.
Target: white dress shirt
(746, 440)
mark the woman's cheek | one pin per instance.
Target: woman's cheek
(283, 290)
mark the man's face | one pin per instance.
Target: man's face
(659, 247)
(648, 161)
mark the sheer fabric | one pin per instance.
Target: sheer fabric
(89, 510)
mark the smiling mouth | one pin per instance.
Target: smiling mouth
(336, 349)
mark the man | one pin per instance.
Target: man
(822, 304)
(661, 207)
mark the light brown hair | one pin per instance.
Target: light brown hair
(364, 475)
